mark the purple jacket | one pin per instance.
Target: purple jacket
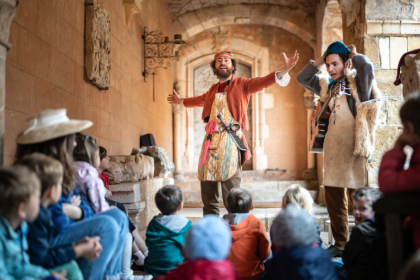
(91, 186)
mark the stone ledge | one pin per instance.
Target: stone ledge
(392, 27)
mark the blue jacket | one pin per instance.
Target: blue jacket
(301, 263)
(41, 237)
(61, 221)
(14, 261)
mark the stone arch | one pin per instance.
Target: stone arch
(297, 22)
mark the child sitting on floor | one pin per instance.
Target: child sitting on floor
(392, 177)
(358, 255)
(298, 195)
(19, 203)
(298, 255)
(207, 245)
(165, 232)
(48, 247)
(86, 157)
(250, 244)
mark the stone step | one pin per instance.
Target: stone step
(265, 215)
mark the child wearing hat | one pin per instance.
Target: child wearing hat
(250, 244)
(206, 248)
(298, 256)
(165, 232)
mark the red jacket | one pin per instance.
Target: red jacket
(392, 178)
(250, 248)
(202, 270)
(104, 178)
(240, 91)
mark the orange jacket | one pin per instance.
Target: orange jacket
(250, 248)
(239, 92)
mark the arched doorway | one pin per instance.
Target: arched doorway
(203, 80)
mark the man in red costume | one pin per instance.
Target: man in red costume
(224, 111)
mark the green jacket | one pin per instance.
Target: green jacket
(164, 248)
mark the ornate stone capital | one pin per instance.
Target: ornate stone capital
(7, 14)
(131, 7)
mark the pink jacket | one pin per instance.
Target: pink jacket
(92, 187)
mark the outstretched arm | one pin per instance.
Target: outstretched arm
(187, 102)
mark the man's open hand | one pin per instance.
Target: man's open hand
(289, 63)
(175, 99)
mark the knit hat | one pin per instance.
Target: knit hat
(224, 53)
(293, 227)
(338, 47)
(210, 238)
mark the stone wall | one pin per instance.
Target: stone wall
(45, 70)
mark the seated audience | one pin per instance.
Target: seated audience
(139, 248)
(298, 255)
(19, 203)
(301, 197)
(358, 256)
(165, 232)
(392, 176)
(47, 247)
(86, 156)
(52, 133)
(250, 244)
(206, 248)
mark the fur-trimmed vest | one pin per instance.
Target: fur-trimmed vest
(367, 116)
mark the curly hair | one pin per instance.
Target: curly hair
(213, 66)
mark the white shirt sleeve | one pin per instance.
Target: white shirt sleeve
(283, 81)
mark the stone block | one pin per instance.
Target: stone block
(413, 43)
(384, 140)
(385, 80)
(130, 168)
(294, 20)
(398, 46)
(163, 163)
(373, 169)
(393, 108)
(384, 53)
(139, 206)
(391, 27)
(410, 27)
(127, 196)
(372, 50)
(374, 27)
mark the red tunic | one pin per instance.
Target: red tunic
(105, 179)
(240, 91)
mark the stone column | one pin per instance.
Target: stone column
(309, 101)
(7, 14)
(177, 111)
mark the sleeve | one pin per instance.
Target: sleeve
(40, 250)
(354, 247)
(364, 77)
(94, 189)
(196, 101)
(309, 79)
(31, 271)
(61, 220)
(257, 84)
(393, 178)
(4, 273)
(264, 248)
(283, 81)
(87, 211)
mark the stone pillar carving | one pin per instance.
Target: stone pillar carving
(177, 111)
(410, 74)
(131, 7)
(97, 45)
(7, 14)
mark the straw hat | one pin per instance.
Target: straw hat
(50, 124)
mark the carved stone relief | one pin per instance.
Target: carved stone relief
(131, 168)
(98, 45)
(163, 162)
(131, 7)
(410, 74)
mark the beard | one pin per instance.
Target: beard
(339, 75)
(223, 74)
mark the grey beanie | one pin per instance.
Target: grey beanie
(293, 227)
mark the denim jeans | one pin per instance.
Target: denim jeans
(111, 226)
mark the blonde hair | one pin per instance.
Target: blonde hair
(298, 195)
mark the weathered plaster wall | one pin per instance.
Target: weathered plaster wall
(45, 70)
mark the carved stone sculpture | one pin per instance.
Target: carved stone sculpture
(131, 7)
(131, 168)
(98, 45)
(163, 163)
(410, 74)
